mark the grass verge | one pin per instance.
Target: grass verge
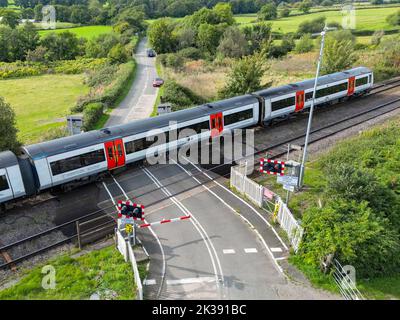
(78, 278)
(160, 92)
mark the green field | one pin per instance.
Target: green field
(366, 19)
(87, 32)
(41, 103)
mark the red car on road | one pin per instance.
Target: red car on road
(158, 82)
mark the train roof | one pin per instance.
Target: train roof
(57, 146)
(308, 84)
(7, 159)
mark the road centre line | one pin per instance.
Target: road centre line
(250, 250)
(190, 280)
(228, 251)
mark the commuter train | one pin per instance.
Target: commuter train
(82, 158)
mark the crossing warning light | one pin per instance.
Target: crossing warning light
(270, 166)
(130, 210)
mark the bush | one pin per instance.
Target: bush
(305, 44)
(191, 53)
(91, 115)
(103, 76)
(394, 18)
(118, 54)
(377, 37)
(180, 97)
(109, 94)
(174, 61)
(312, 26)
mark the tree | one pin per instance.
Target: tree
(233, 43)
(244, 77)
(134, 17)
(8, 130)
(284, 12)
(305, 44)
(390, 49)
(339, 53)
(305, 6)
(118, 54)
(80, 14)
(208, 37)
(100, 46)
(161, 35)
(268, 12)
(258, 35)
(61, 46)
(224, 13)
(3, 3)
(312, 26)
(9, 18)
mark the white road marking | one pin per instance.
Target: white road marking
(190, 280)
(276, 249)
(250, 250)
(223, 187)
(149, 282)
(197, 225)
(246, 220)
(228, 251)
(281, 258)
(109, 193)
(157, 239)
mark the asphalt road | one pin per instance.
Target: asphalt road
(138, 103)
(213, 255)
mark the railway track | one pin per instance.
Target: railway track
(274, 151)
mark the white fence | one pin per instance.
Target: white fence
(255, 192)
(288, 223)
(251, 189)
(127, 252)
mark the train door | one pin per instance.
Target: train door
(351, 86)
(216, 124)
(299, 101)
(115, 153)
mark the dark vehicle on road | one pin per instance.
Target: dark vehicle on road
(158, 82)
(151, 53)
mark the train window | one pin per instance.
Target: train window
(331, 90)
(77, 162)
(309, 95)
(238, 116)
(361, 81)
(281, 104)
(3, 183)
(197, 127)
(135, 146)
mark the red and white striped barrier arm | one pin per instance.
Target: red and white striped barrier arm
(163, 221)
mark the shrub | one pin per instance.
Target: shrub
(191, 53)
(305, 44)
(394, 18)
(180, 97)
(91, 115)
(174, 61)
(327, 3)
(102, 76)
(377, 37)
(118, 54)
(312, 26)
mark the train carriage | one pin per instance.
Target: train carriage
(84, 157)
(284, 100)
